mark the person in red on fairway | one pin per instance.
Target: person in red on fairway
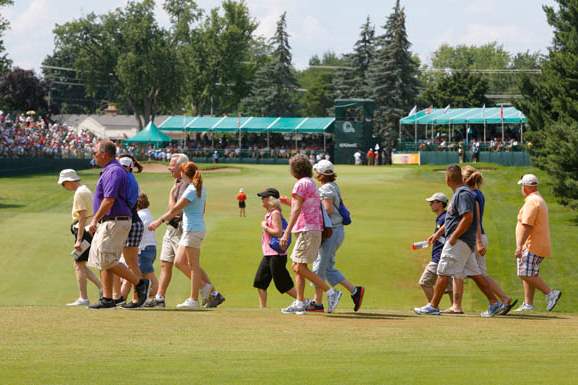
(370, 157)
(242, 197)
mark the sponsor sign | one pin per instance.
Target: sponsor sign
(410, 158)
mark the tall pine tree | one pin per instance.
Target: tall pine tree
(353, 81)
(551, 104)
(393, 79)
(274, 90)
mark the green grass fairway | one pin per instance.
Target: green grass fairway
(42, 342)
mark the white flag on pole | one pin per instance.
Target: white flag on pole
(413, 111)
(446, 109)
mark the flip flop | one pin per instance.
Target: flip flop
(452, 311)
(509, 307)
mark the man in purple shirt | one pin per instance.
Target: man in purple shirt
(110, 225)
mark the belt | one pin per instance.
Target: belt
(106, 219)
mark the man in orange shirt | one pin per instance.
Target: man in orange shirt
(242, 197)
(370, 157)
(533, 244)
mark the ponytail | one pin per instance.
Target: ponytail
(191, 170)
(472, 177)
(198, 182)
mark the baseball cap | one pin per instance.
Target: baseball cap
(68, 175)
(440, 197)
(324, 167)
(270, 192)
(529, 180)
(125, 161)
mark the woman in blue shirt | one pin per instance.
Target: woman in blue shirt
(473, 178)
(192, 204)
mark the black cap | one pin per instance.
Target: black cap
(270, 192)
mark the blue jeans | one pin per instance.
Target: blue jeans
(324, 265)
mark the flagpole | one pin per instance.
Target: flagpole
(415, 133)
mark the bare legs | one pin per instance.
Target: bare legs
(83, 273)
(302, 273)
(530, 285)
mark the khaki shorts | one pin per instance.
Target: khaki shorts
(170, 244)
(429, 277)
(306, 247)
(192, 239)
(458, 260)
(107, 244)
(480, 260)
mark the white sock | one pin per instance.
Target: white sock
(330, 291)
(354, 291)
(207, 287)
(299, 303)
(214, 293)
(159, 297)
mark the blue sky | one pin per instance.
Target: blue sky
(316, 26)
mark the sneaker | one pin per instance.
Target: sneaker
(333, 298)
(294, 308)
(79, 302)
(129, 305)
(357, 298)
(552, 299)
(205, 291)
(119, 301)
(427, 310)
(314, 307)
(214, 300)
(153, 302)
(508, 306)
(103, 303)
(493, 310)
(142, 291)
(189, 304)
(524, 308)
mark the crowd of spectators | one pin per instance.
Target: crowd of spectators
(24, 136)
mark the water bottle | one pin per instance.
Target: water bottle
(419, 245)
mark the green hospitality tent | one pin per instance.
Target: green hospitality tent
(149, 135)
(450, 117)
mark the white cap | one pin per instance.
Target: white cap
(241, 189)
(440, 197)
(125, 161)
(529, 180)
(68, 175)
(324, 167)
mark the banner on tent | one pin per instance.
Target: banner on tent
(411, 158)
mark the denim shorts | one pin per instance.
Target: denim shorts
(146, 258)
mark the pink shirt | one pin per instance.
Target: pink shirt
(310, 218)
(266, 238)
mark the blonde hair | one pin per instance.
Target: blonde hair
(472, 177)
(274, 203)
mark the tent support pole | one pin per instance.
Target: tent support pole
(324, 144)
(415, 133)
(521, 133)
(485, 141)
(502, 131)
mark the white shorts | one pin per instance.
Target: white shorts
(170, 244)
(192, 239)
(458, 260)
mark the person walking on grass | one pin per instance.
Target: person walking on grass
(473, 179)
(438, 203)
(273, 266)
(533, 245)
(81, 215)
(324, 265)
(148, 245)
(110, 225)
(241, 198)
(192, 204)
(131, 247)
(170, 245)
(306, 224)
(457, 254)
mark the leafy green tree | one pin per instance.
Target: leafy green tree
(459, 89)
(393, 79)
(127, 51)
(5, 63)
(274, 90)
(352, 81)
(551, 104)
(22, 90)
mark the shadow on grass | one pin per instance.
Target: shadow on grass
(10, 205)
(533, 317)
(387, 316)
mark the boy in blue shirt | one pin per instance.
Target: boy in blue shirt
(438, 203)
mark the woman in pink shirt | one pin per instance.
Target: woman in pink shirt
(306, 224)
